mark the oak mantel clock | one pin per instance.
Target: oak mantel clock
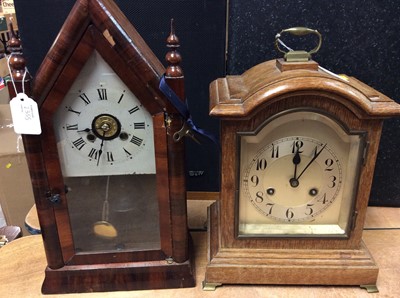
(298, 154)
(108, 177)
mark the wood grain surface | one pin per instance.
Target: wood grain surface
(244, 104)
(99, 25)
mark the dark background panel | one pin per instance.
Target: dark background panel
(200, 26)
(360, 39)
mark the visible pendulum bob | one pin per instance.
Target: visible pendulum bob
(104, 228)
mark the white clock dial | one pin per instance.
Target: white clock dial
(102, 128)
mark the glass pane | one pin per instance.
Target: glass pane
(106, 151)
(113, 212)
(298, 177)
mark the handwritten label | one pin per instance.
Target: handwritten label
(25, 115)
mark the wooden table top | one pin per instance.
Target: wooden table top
(22, 264)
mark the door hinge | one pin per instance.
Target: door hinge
(365, 153)
(354, 219)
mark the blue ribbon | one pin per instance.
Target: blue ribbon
(183, 110)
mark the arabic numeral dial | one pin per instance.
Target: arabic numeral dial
(293, 179)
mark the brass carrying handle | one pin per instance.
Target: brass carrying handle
(299, 31)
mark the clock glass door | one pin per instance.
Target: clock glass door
(298, 174)
(106, 152)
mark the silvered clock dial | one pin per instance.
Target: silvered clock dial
(297, 176)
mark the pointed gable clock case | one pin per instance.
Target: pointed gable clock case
(108, 178)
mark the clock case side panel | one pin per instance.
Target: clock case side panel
(230, 161)
(73, 30)
(177, 176)
(40, 186)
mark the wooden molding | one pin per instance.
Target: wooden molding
(202, 195)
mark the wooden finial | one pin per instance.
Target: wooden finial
(14, 44)
(173, 57)
(17, 62)
(172, 40)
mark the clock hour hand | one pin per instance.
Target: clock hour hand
(101, 148)
(294, 182)
(85, 130)
(312, 160)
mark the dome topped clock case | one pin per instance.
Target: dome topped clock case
(108, 178)
(298, 154)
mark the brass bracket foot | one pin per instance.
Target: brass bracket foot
(370, 288)
(210, 286)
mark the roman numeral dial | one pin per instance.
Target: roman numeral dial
(108, 131)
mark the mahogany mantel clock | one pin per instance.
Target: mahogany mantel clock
(108, 177)
(298, 154)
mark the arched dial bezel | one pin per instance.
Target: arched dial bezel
(321, 201)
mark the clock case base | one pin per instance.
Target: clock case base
(284, 266)
(118, 277)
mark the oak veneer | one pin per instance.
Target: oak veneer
(243, 103)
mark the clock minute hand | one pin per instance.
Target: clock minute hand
(312, 160)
